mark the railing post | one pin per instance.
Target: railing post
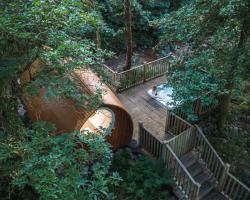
(116, 82)
(164, 153)
(114, 79)
(140, 124)
(223, 176)
(144, 73)
(197, 191)
(166, 123)
(193, 135)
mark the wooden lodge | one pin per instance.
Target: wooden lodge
(68, 117)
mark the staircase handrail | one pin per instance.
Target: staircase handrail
(183, 168)
(234, 189)
(211, 158)
(228, 184)
(239, 182)
(209, 144)
(181, 165)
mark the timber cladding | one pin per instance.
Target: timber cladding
(67, 117)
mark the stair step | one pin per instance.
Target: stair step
(188, 159)
(195, 169)
(201, 177)
(205, 189)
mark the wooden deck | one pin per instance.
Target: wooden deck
(188, 174)
(145, 109)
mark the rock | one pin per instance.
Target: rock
(133, 144)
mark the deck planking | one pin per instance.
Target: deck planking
(145, 109)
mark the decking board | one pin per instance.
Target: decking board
(145, 109)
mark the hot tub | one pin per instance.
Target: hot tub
(164, 96)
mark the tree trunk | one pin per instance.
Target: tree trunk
(127, 8)
(98, 38)
(174, 5)
(225, 101)
(224, 108)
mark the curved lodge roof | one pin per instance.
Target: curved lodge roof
(67, 117)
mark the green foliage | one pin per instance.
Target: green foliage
(56, 167)
(216, 33)
(241, 103)
(35, 164)
(113, 28)
(143, 178)
(59, 33)
(190, 84)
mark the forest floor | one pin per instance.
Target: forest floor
(140, 56)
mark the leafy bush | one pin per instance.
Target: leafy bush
(143, 178)
(38, 165)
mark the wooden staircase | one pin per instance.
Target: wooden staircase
(201, 175)
(198, 171)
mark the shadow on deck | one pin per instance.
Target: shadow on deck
(145, 109)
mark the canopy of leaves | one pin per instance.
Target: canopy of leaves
(113, 28)
(59, 33)
(70, 166)
(217, 35)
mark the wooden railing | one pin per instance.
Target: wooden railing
(183, 143)
(142, 73)
(201, 109)
(149, 142)
(234, 189)
(112, 76)
(132, 77)
(156, 68)
(137, 75)
(175, 124)
(186, 141)
(183, 179)
(208, 154)
(185, 182)
(227, 183)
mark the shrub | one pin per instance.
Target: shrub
(143, 178)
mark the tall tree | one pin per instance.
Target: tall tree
(244, 31)
(217, 34)
(127, 8)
